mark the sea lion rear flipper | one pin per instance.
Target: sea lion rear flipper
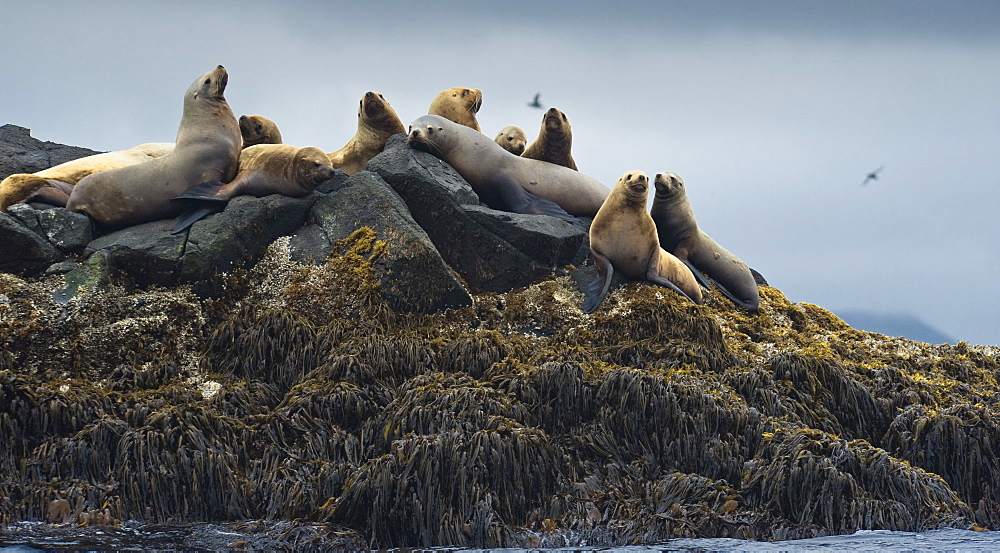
(190, 217)
(599, 287)
(208, 190)
(697, 274)
(519, 200)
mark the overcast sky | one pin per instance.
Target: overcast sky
(772, 112)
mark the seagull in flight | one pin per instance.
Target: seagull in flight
(535, 103)
(873, 175)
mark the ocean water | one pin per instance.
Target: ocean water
(26, 537)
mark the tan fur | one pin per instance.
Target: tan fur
(512, 139)
(624, 232)
(207, 148)
(21, 186)
(257, 129)
(377, 121)
(459, 105)
(554, 141)
(279, 169)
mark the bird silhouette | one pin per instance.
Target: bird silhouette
(873, 175)
(535, 103)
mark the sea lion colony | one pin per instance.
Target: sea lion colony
(217, 157)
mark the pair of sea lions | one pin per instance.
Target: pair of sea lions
(553, 144)
(664, 246)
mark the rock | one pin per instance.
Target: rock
(549, 241)
(413, 276)
(436, 196)
(148, 254)
(23, 251)
(20, 153)
(235, 236)
(68, 231)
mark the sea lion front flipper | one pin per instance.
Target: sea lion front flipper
(749, 306)
(208, 190)
(600, 286)
(697, 274)
(190, 217)
(517, 199)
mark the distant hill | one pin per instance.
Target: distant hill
(894, 324)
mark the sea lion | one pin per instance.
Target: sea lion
(505, 181)
(459, 105)
(679, 234)
(207, 148)
(257, 129)
(512, 139)
(264, 169)
(53, 185)
(377, 121)
(554, 140)
(623, 238)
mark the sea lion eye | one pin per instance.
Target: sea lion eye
(208, 80)
(258, 127)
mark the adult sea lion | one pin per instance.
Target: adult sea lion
(554, 140)
(680, 235)
(257, 129)
(459, 105)
(623, 238)
(264, 169)
(512, 139)
(505, 181)
(207, 148)
(53, 185)
(377, 121)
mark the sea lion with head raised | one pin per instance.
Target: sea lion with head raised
(264, 169)
(207, 148)
(512, 139)
(257, 129)
(459, 105)
(54, 185)
(377, 121)
(623, 238)
(554, 141)
(505, 181)
(679, 234)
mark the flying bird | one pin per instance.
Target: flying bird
(535, 103)
(873, 175)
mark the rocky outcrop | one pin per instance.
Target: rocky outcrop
(21, 153)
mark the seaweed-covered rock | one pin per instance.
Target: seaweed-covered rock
(412, 274)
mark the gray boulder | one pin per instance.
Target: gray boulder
(413, 276)
(20, 153)
(547, 240)
(23, 251)
(148, 254)
(437, 196)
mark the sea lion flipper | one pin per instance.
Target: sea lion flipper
(520, 200)
(190, 217)
(600, 286)
(751, 306)
(208, 190)
(697, 274)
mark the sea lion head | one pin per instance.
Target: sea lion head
(633, 186)
(312, 168)
(512, 139)
(257, 129)
(210, 86)
(428, 134)
(375, 113)
(459, 105)
(668, 185)
(555, 120)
